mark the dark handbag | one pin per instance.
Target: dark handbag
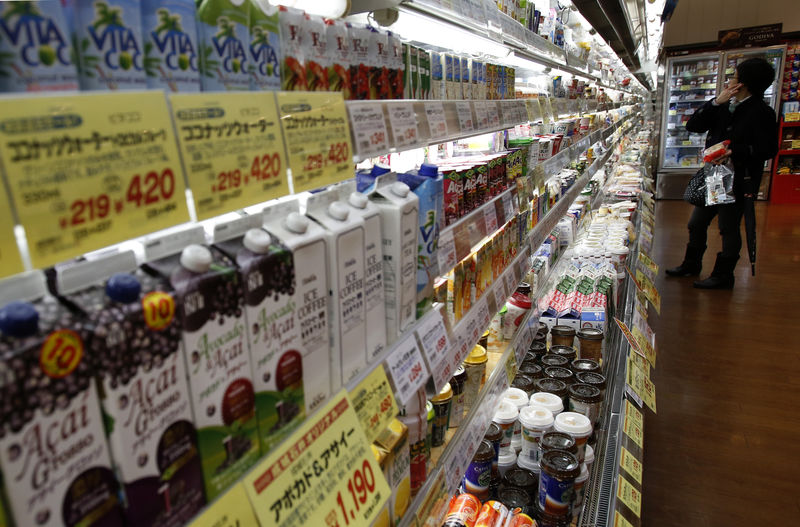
(695, 192)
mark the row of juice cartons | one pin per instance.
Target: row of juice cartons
(224, 45)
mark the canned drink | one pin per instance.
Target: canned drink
(520, 519)
(463, 511)
(493, 514)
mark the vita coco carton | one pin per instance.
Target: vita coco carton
(209, 298)
(266, 267)
(399, 208)
(264, 46)
(109, 44)
(223, 32)
(135, 342)
(308, 243)
(171, 59)
(53, 452)
(36, 47)
(437, 76)
(346, 235)
(374, 296)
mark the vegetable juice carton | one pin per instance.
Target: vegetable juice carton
(398, 69)
(208, 293)
(339, 50)
(293, 70)
(360, 37)
(53, 452)
(308, 243)
(346, 231)
(315, 48)
(223, 31)
(399, 209)
(109, 44)
(378, 60)
(264, 47)
(266, 268)
(374, 296)
(35, 48)
(135, 342)
(427, 185)
(171, 59)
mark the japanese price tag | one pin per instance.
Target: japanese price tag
(437, 123)
(435, 344)
(407, 369)
(627, 494)
(374, 403)
(508, 206)
(481, 115)
(232, 509)
(483, 314)
(403, 121)
(10, 260)
(499, 295)
(620, 521)
(446, 251)
(232, 149)
(369, 129)
(87, 171)
(633, 424)
(632, 465)
(464, 110)
(323, 474)
(490, 216)
(317, 136)
(494, 115)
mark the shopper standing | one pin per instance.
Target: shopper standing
(738, 113)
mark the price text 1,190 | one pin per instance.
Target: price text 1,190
(360, 486)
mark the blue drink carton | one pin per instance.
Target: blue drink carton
(223, 31)
(170, 45)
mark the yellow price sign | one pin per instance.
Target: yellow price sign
(648, 262)
(323, 474)
(649, 393)
(86, 171)
(629, 495)
(649, 289)
(10, 261)
(232, 509)
(232, 149)
(317, 135)
(511, 365)
(633, 414)
(791, 117)
(374, 403)
(620, 521)
(645, 345)
(632, 465)
(639, 361)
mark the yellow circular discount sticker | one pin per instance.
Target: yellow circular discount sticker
(159, 310)
(61, 353)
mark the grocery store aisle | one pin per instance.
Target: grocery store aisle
(723, 448)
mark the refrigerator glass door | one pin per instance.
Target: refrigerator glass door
(774, 55)
(691, 81)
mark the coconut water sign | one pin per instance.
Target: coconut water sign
(171, 60)
(35, 50)
(223, 28)
(110, 45)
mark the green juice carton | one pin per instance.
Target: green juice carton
(109, 45)
(209, 299)
(35, 48)
(171, 59)
(266, 267)
(223, 31)
(264, 47)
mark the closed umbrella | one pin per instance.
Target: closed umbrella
(750, 229)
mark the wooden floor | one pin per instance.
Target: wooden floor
(724, 448)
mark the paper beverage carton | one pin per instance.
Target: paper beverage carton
(36, 43)
(438, 87)
(314, 41)
(360, 37)
(171, 59)
(339, 50)
(135, 343)
(398, 69)
(53, 452)
(223, 31)
(424, 74)
(264, 46)
(293, 68)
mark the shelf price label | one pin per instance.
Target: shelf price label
(403, 121)
(620, 521)
(627, 494)
(435, 344)
(649, 289)
(464, 110)
(317, 136)
(87, 171)
(499, 295)
(508, 207)
(232, 149)
(369, 129)
(446, 251)
(494, 114)
(231, 510)
(10, 260)
(481, 115)
(407, 369)
(632, 465)
(490, 216)
(374, 403)
(483, 317)
(323, 474)
(437, 123)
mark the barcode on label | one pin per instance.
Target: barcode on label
(363, 145)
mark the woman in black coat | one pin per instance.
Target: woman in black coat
(739, 114)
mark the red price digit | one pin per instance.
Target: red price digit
(377, 138)
(338, 153)
(313, 162)
(228, 180)
(416, 371)
(157, 187)
(266, 166)
(90, 209)
(360, 485)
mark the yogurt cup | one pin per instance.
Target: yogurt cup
(520, 400)
(535, 421)
(576, 425)
(505, 417)
(557, 478)
(548, 400)
(506, 461)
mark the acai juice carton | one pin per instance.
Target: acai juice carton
(266, 267)
(374, 295)
(223, 32)
(171, 50)
(35, 48)
(345, 230)
(135, 343)
(399, 209)
(109, 44)
(209, 297)
(264, 46)
(308, 243)
(53, 452)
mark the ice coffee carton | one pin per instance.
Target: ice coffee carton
(171, 59)
(53, 452)
(135, 343)
(266, 269)
(223, 32)
(209, 302)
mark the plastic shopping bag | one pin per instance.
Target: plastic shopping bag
(719, 185)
